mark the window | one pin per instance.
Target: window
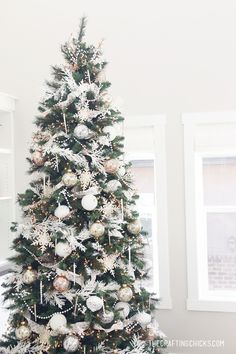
(145, 148)
(210, 186)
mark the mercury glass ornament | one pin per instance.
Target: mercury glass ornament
(63, 249)
(23, 332)
(62, 211)
(29, 276)
(134, 227)
(89, 202)
(94, 303)
(113, 185)
(123, 308)
(97, 230)
(69, 179)
(61, 284)
(81, 131)
(107, 317)
(125, 294)
(38, 158)
(71, 343)
(58, 322)
(112, 166)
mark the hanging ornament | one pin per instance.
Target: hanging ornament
(23, 332)
(38, 158)
(123, 308)
(89, 202)
(110, 131)
(62, 211)
(122, 171)
(71, 343)
(125, 294)
(63, 249)
(97, 230)
(81, 131)
(107, 317)
(29, 276)
(61, 284)
(143, 318)
(112, 166)
(94, 303)
(113, 185)
(134, 227)
(69, 179)
(58, 322)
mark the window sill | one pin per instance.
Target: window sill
(212, 305)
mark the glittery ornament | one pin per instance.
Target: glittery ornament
(94, 303)
(107, 317)
(123, 308)
(58, 322)
(112, 166)
(38, 158)
(143, 318)
(112, 186)
(134, 227)
(69, 179)
(125, 294)
(63, 249)
(81, 131)
(29, 276)
(61, 284)
(23, 332)
(97, 229)
(71, 343)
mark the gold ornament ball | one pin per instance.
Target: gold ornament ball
(23, 332)
(125, 294)
(97, 229)
(69, 179)
(61, 284)
(38, 158)
(111, 166)
(29, 276)
(134, 227)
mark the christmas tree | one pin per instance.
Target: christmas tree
(76, 284)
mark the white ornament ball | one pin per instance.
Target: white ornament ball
(58, 322)
(107, 317)
(89, 202)
(61, 284)
(69, 179)
(143, 318)
(29, 276)
(94, 303)
(71, 343)
(134, 227)
(81, 131)
(123, 308)
(125, 294)
(63, 249)
(62, 211)
(38, 158)
(97, 229)
(23, 332)
(122, 171)
(113, 185)
(110, 131)
(111, 166)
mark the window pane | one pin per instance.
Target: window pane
(219, 181)
(221, 239)
(144, 176)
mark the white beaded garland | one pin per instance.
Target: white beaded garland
(81, 131)
(71, 343)
(58, 322)
(89, 202)
(94, 303)
(63, 249)
(62, 211)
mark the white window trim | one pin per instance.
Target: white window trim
(197, 299)
(157, 123)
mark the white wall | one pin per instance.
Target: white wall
(165, 56)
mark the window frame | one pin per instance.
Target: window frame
(199, 297)
(157, 124)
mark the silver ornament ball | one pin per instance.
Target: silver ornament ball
(71, 343)
(94, 303)
(81, 131)
(97, 229)
(58, 322)
(69, 179)
(107, 317)
(143, 318)
(113, 185)
(125, 294)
